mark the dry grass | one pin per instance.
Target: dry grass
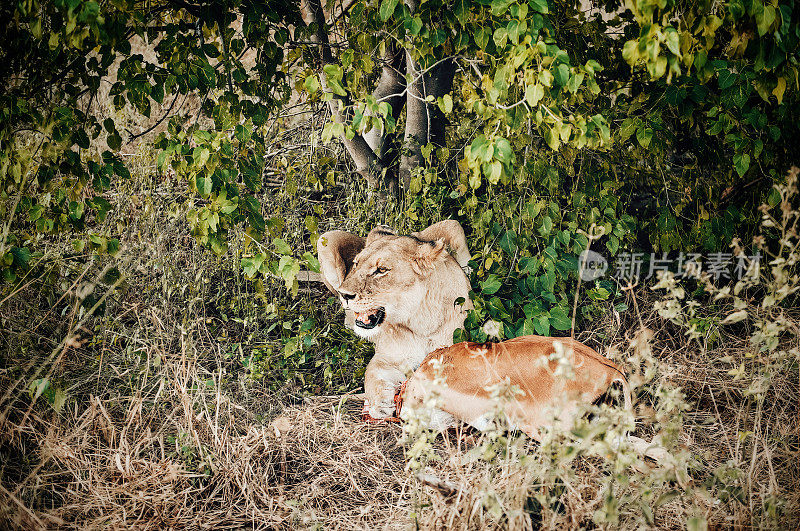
(188, 459)
(179, 446)
(161, 429)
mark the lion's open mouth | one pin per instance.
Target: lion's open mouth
(370, 318)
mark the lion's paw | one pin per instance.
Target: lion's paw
(381, 410)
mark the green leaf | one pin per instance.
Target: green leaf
(157, 93)
(539, 5)
(779, 89)
(475, 179)
(574, 82)
(508, 242)
(551, 136)
(121, 170)
(644, 135)
(547, 226)
(726, 78)
(758, 147)
(413, 25)
(736, 9)
(22, 256)
(765, 19)
(446, 104)
(513, 29)
(114, 141)
(481, 149)
(533, 94)
(311, 260)
(502, 150)
(546, 78)
(673, 41)
(527, 328)
(387, 9)
(332, 72)
(461, 11)
(774, 197)
(598, 294)
(490, 285)
(336, 87)
(243, 133)
(226, 206)
(204, 185)
(113, 246)
(495, 171)
(627, 128)
(482, 37)
(500, 6)
(251, 265)
(76, 209)
(741, 161)
(561, 74)
(311, 83)
(559, 319)
(542, 324)
(80, 138)
(38, 386)
(281, 246)
(200, 156)
(500, 37)
(630, 51)
(9, 275)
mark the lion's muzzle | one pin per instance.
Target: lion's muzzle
(370, 319)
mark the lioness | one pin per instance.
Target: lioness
(405, 293)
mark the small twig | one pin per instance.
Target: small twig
(134, 137)
(445, 487)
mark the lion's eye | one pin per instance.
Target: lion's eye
(380, 270)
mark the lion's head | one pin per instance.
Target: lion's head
(388, 280)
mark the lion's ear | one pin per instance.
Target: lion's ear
(428, 253)
(336, 250)
(379, 232)
(451, 232)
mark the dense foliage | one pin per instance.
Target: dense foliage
(166, 167)
(662, 126)
(672, 118)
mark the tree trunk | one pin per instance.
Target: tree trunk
(439, 82)
(390, 88)
(368, 165)
(425, 122)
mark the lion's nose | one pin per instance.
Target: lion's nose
(347, 296)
